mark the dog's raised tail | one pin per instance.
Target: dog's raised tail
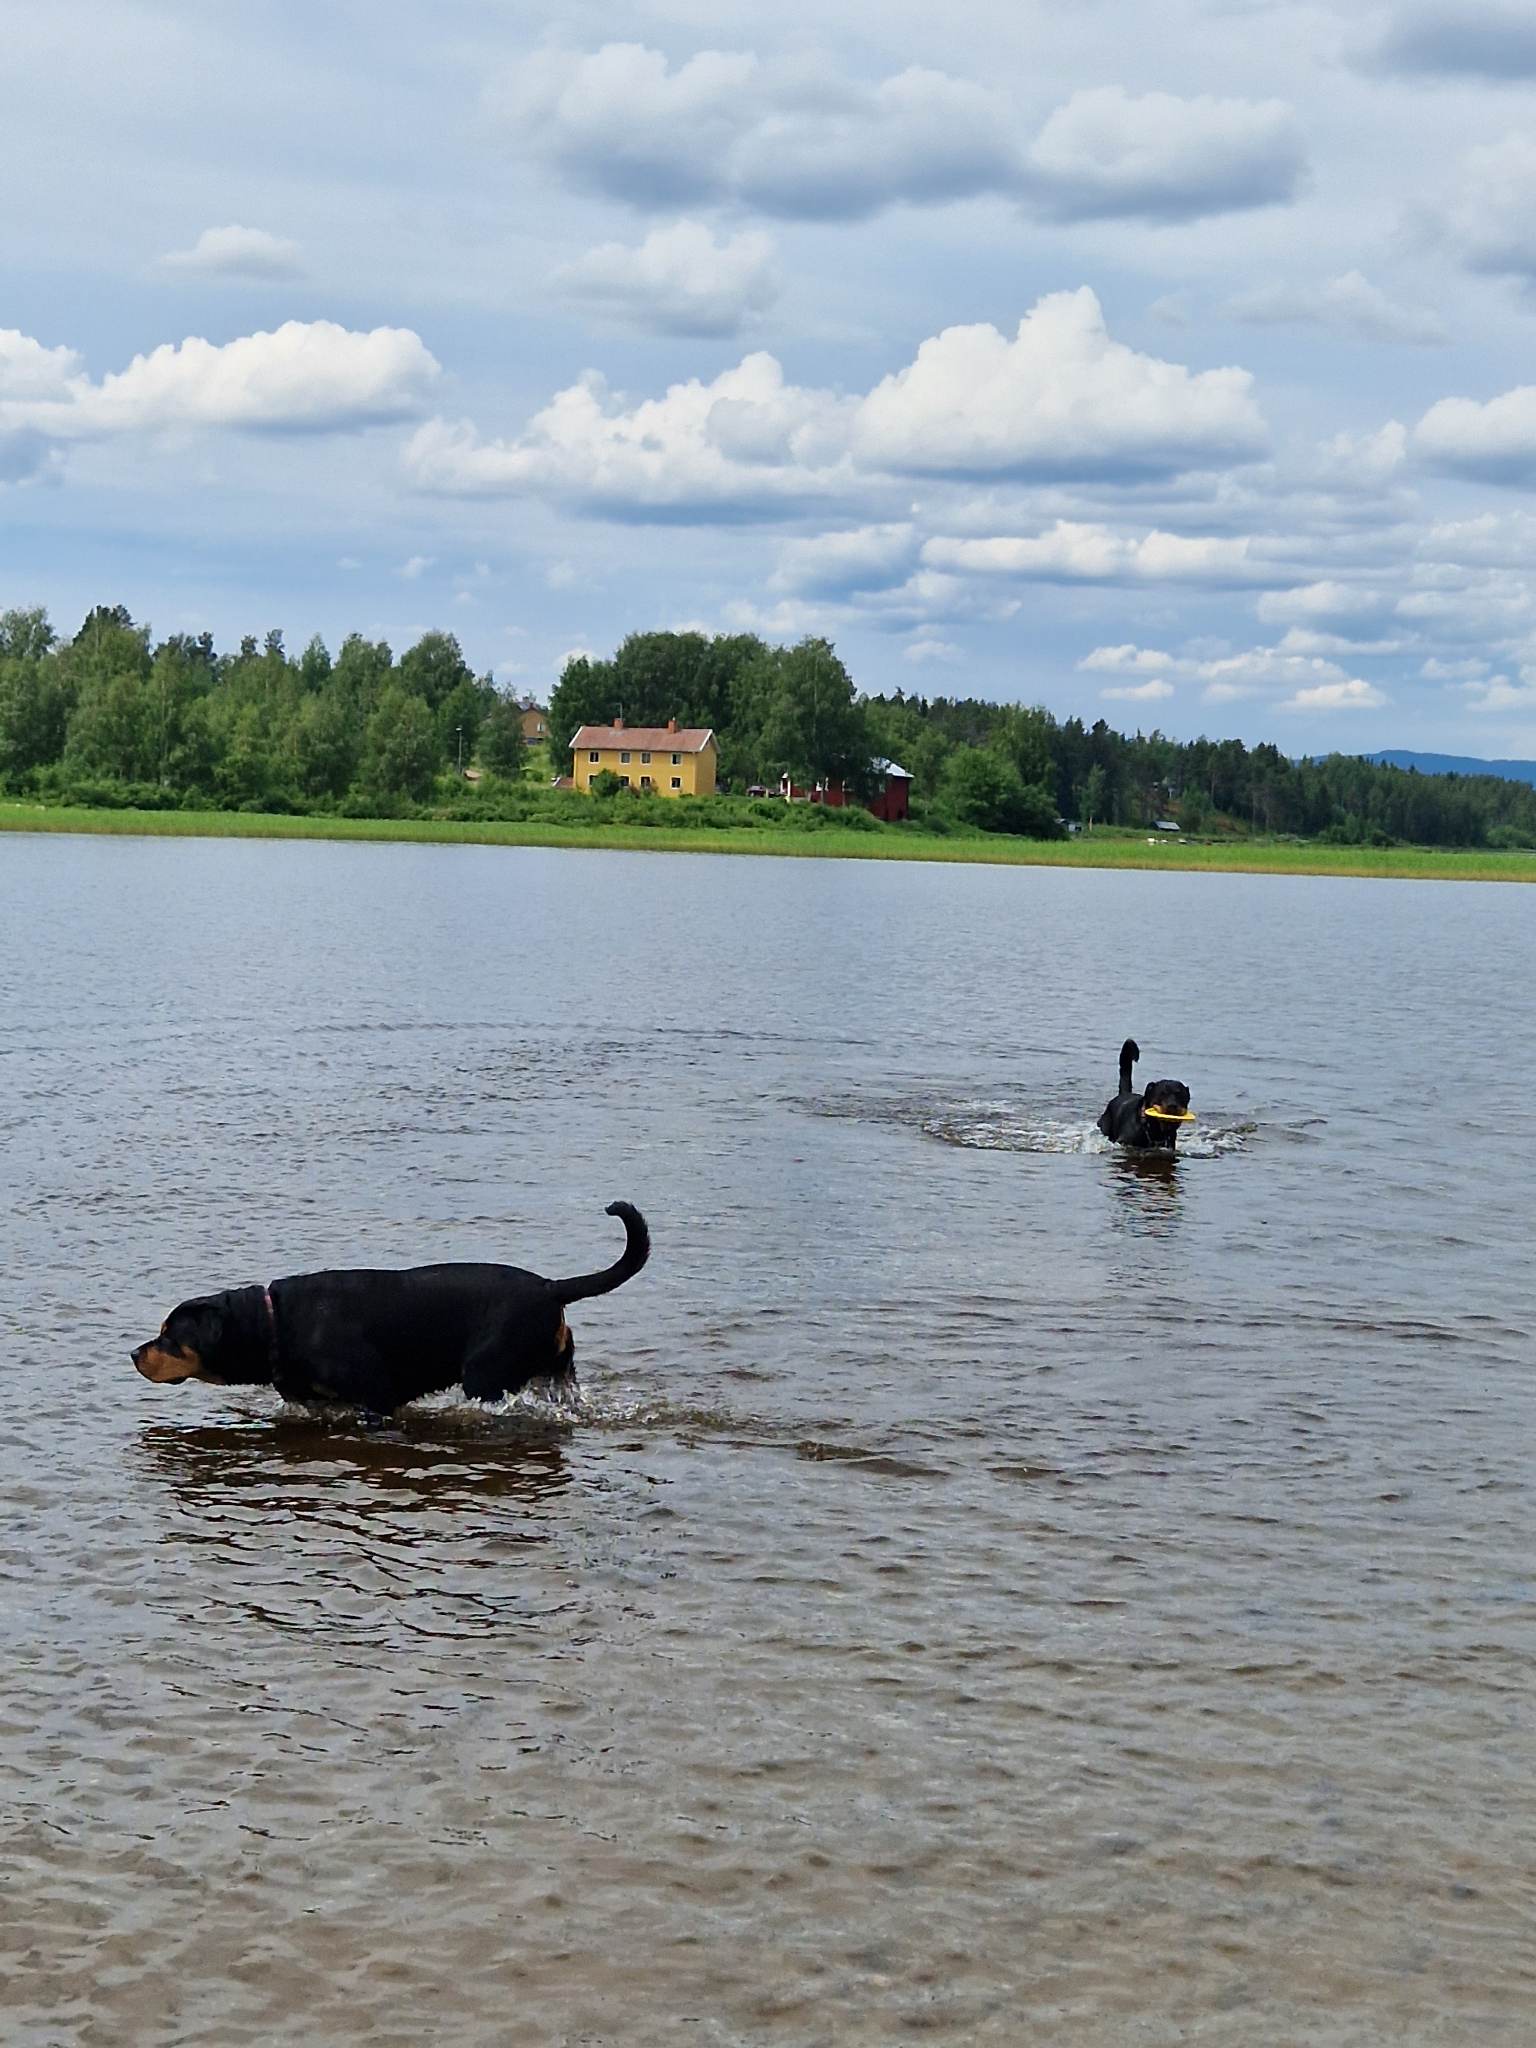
(637, 1249)
(1130, 1053)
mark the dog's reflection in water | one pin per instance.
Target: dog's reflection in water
(323, 1469)
(1148, 1196)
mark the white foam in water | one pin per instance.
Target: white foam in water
(992, 1125)
(1004, 1127)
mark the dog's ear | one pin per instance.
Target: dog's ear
(198, 1325)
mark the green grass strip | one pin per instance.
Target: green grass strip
(1246, 856)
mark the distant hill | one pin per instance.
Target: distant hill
(1456, 764)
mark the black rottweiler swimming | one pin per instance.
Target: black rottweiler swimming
(1149, 1121)
(379, 1339)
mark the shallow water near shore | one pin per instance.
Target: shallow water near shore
(989, 1588)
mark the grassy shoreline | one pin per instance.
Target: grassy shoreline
(1253, 856)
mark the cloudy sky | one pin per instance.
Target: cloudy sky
(1172, 364)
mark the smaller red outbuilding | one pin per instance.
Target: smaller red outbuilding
(890, 788)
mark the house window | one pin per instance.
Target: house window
(677, 782)
(624, 757)
(593, 759)
(625, 780)
(645, 782)
(645, 762)
(676, 760)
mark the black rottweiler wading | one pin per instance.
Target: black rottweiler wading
(377, 1339)
(1148, 1121)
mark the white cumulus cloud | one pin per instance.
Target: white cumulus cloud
(928, 648)
(790, 137)
(1109, 152)
(1313, 683)
(858, 558)
(1073, 552)
(1489, 218)
(1328, 603)
(1354, 695)
(1363, 462)
(1058, 398)
(1498, 693)
(30, 369)
(782, 136)
(1125, 660)
(745, 443)
(1493, 442)
(679, 280)
(1349, 304)
(1140, 693)
(303, 377)
(238, 252)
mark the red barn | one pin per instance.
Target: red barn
(888, 798)
(893, 787)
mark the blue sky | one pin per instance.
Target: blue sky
(1167, 364)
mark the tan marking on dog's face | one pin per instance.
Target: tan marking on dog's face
(164, 1367)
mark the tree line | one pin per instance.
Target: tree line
(107, 713)
(1013, 767)
(111, 716)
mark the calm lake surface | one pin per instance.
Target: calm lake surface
(990, 1591)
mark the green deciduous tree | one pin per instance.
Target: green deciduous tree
(984, 789)
(434, 668)
(502, 751)
(362, 673)
(459, 718)
(794, 712)
(25, 635)
(401, 757)
(113, 731)
(248, 767)
(35, 703)
(315, 665)
(326, 745)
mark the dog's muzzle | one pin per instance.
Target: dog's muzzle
(164, 1367)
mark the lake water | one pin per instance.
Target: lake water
(991, 1591)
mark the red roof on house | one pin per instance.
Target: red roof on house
(655, 739)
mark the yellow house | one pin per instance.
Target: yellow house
(673, 762)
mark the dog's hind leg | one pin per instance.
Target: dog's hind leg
(497, 1368)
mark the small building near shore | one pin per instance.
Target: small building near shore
(671, 759)
(890, 790)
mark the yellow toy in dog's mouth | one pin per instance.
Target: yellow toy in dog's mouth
(1171, 1116)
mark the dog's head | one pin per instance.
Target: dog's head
(1164, 1106)
(199, 1340)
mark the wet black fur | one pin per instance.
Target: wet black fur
(377, 1339)
(1124, 1121)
